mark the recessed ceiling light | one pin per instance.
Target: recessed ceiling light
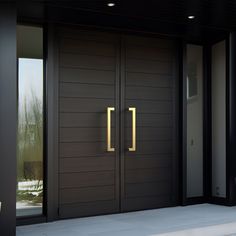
(191, 17)
(111, 4)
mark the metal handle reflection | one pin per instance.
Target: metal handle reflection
(109, 147)
(133, 110)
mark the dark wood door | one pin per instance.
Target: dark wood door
(88, 73)
(149, 172)
(99, 70)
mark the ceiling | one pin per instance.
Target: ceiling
(150, 15)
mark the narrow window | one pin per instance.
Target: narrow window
(194, 120)
(218, 97)
(30, 184)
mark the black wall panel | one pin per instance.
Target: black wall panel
(8, 118)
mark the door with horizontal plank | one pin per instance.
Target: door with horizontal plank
(149, 162)
(88, 173)
(117, 123)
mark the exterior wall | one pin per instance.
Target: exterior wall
(231, 162)
(8, 117)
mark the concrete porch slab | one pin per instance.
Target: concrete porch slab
(203, 219)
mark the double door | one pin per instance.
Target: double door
(117, 123)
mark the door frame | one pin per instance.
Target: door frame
(52, 119)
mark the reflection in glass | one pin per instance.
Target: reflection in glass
(194, 102)
(30, 177)
(218, 128)
(30, 137)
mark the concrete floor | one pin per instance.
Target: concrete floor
(199, 220)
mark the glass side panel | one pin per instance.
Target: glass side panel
(30, 137)
(30, 186)
(218, 109)
(194, 120)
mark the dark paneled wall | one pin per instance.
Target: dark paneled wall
(8, 118)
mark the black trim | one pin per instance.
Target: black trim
(219, 201)
(8, 120)
(207, 123)
(45, 137)
(182, 177)
(195, 200)
(31, 220)
(52, 123)
(177, 162)
(227, 121)
(231, 165)
(122, 122)
(184, 125)
(117, 104)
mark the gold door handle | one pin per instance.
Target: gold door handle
(133, 110)
(109, 147)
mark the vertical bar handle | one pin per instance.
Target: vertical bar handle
(109, 147)
(133, 110)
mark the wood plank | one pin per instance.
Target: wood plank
(84, 149)
(87, 47)
(148, 79)
(86, 179)
(87, 35)
(88, 209)
(86, 90)
(99, 134)
(83, 164)
(87, 76)
(148, 175)
(145, 93)
(148, 161)
(92, 120)
(149, 133)
(150, 147)
(154, 42)
(150, 120)
(94, 105)
(85, 134)
(144, 203)
(144, 66)
(148, 189)
(88, 194)
(87, 62)
(162, 107)
(149, 53)
(95, 120)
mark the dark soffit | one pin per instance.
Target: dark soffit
(210, 15)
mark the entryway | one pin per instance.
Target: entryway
(118, 122)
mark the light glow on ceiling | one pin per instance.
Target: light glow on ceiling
(111, 4)
(191, 17)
